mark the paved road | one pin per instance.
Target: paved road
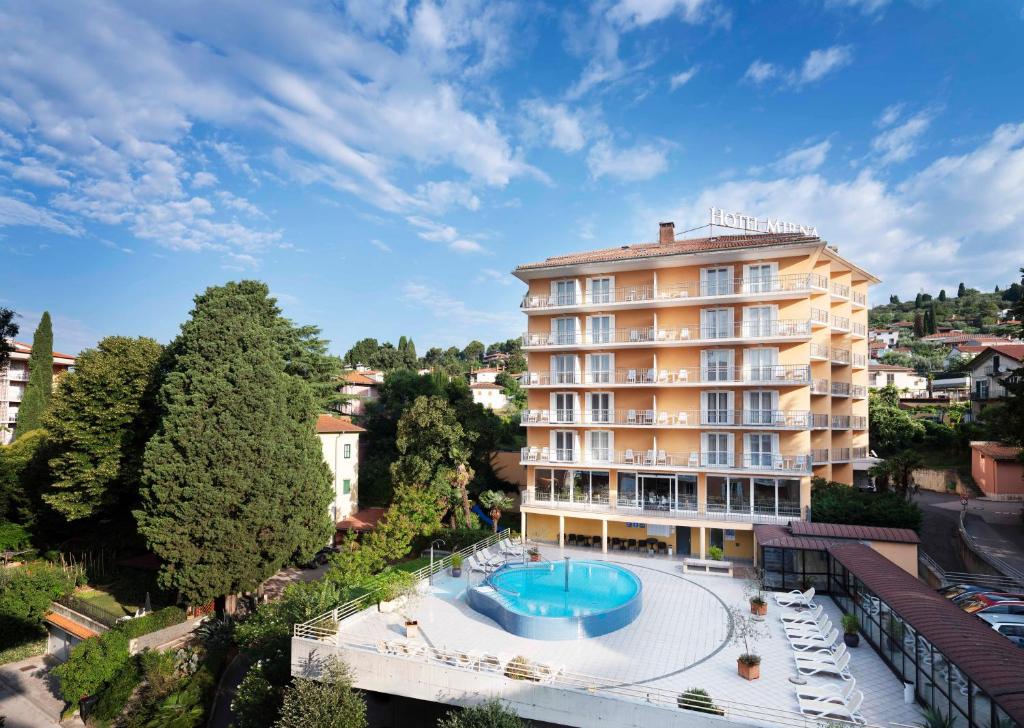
(940, 518)
(27, 696)
(995, 526)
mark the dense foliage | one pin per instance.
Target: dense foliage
(25, 596)
(452, 361)
(8, 330)
(839, 503)
(890, 428)
(236, 459)
(23, 476)
(327, 702)
(40, 379)
(306, 356)
(98, 425)
(92, 664)
(489, 714)
(971, 310)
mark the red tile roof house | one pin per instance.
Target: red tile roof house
(362, 389)
(998, 470)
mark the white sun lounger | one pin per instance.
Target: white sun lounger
(810, 617)
(819, 664)
(821, 627)
(826, 642)
(825, 708)
(796, 598)
(827, 691)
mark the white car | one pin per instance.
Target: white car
(1010, 626)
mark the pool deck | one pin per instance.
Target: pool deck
(679, 641)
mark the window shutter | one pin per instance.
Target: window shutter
(729, 441)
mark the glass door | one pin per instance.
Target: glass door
(758, 320)
(760, 278)
(564, 330)
(565, 446)
(601, 368)
(600, 290)
(717, 449)
(657, 491)
(716, 323)
(563, 369)
(717, 408)
(600, 407)
(760, 364)
(564, 406)
(600, 446)
(759, 451)
(686, 492)
(627, 490)
(716, 365)
(716, 281)
(564, 293)
(600, 329)
(760, 409)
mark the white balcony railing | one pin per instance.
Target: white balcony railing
(859, 299)
(647, 292)
(768, 419)
(840, 356)
(667, 507)
(840, 290)
(17, 375)
(643, 335)
(715, 461)
(841, 323)
(782, 374)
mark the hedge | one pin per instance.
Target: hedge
(116, 694)
(152, 622)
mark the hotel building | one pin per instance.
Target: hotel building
(680, 392)
(14, 379)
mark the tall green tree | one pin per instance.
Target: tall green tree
(961, 290)
(23, 476)
(328, 701)
(306, 356)
(942, 294)
(890, 428)
(234, 481)
(40, 379)
(8, 330)
(99, 423)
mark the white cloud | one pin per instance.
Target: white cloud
(818, 64)
(240, 204)
(490, 275)
(381, 246)
(628, 165)
(466, 246)
(638, 13)
(682, 78)
(204, 179)
(34, 172)
(459, 315)
(437, 232)
(804, 159)
(15, 212)
(900, 143)
(559, 127)
(760, 71)
(439, 196)
(867, 7)
(890, 115)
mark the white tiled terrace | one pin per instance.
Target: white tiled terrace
(679, 641)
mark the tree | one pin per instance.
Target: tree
(942, 294)
(326, 702)
(489, 714)
(40, 379)
(234, 481)
(895, 474)
(306, 356)
(917, 301)
(890, 428)
(8, 330)
(99, 423)
(495, 502)
(961, 290)
(474, 352)
(919, 324)
(362, 353)
(1017, 310)
(22, 477)
(894, 299)
(511, 388)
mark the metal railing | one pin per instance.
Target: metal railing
(838, 289)
(646, 292)
(649, 335)
(859, 360)
(858, 329)
(776, 419)
(859, 298)
(666, 507)
(17, 375)
(327, 625)
(819, 351)
(819, 456)
(840, 356)
(819, 316)
(840, 322)
(769, 374)
(819, 421)
(820, 386)
(841, 389)
(858, 391)
(651, 458)
(93, 612)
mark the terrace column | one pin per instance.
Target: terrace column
(703, 552)
(604, 535)
(561, 531)
(522, 525)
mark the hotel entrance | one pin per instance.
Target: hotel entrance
(683, 541)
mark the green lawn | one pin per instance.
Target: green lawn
(106, 601)
(417, 563)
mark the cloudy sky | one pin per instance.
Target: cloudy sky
(384, 164)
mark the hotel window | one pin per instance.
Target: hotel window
(601, 329)
(346, 486)
(716, 365)
(760, 407)
(759, 364)
(716, 281)
(600, 407)
(348, 450)
(760, 277)
(563, 293)
(716, 408)
(600, 290)
(760, 449)
(563, 407)
(600, 445)
(759, 320)
(718, 449)
(601, 367)
(564, 330)
(563, 443)
(563, 369)
(716, 323)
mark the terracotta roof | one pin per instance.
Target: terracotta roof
(781, 538)
(877, 344)
(27, 349)
(847, 531)
(988, 659)
(679, 247)
(359, 378)
(329, 424)
(70, 626)
(484, 385)
(1014, 351)
(996, 450)
(361, 521)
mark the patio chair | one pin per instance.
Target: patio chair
(819, 664)
(631, 544)
(827, 691)
(631, 376)
(662, 547)
(631, 417)
(663, 375)
(682, 376)
(650, 375)
(534, 378)
(802, 629)
(684, 333)
(796, 598)
(649, 457)
(662, 457)
(826, 642)
(616, 543)
(595, 540)
(545, 416)
(648, 417)
(825, 708)
(545, 454)
(570, 539)
(694, 460)
(628, 457)
(531, 454)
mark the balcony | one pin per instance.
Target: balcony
(858, 391)
(840, 291)
(745, 419)
(840, 389)
(17, 375)
(666, 507)
(819, 317)
(646, 336)
(660, 460)
(859, 361)
(819, 351)
(819, 421)
(859, 330)
(840, 356)
(648, 294)
(840, 323)
(858, 299)
(775, 374)
(849, 422)
(820, 386)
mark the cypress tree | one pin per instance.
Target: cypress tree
(942, 294)
(40, 379)
(961, 290)
(234, 481)
(917, 301)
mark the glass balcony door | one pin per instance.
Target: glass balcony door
(717, 408)
(600, 445)
(599, 407)
(716, 323)
(657, 492)
(718, 449)
(759, 320)
(563, 369)
(564, 330)
(600, 329)
(760, 450)
(563, 407)
(600, 290)
(759, 364)
(716, 281)
(564, 446)
(564, 293)
(601, 367)
(759, 278)
(716, 365)
(760, 407)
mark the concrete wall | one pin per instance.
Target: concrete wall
(506, 465)
(904, 555)
(165, 636)
(938, 480)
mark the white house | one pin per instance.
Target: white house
(903, 378)
(485, 375)
(339, 439)
(889, 338)
(14, 379)
(489, 394)
(990, 366)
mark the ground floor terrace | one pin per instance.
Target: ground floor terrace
(681, 639)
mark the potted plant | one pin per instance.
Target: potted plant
(758, 605)
(534, 553)
(755, 593)
(851, 627)
(715, 553)
(746, 632)
(456, 564)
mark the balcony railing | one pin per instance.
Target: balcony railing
(838, 289)
(768, 419)
(17, 375)
(859, 299)
(819, 421)
(849, 422)
(819, 456)
(819, 316)
(840, 356)
(665, 506)
(716, 461)
(858, 391)
(643, 335)
(841, 323)
(859, 360)
(646, 292)
(858, 329)
(770, 374)
(819, 351)
(841, 389)
(820, 386)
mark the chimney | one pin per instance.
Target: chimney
(666, 232)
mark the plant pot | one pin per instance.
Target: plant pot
(759, 609)
(456, 571)
(748, 671)
(389, 606)
(534, 557)
(852, 639)
(412, 628)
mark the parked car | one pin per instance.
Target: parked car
(1016, 608)
(972, 603)
(952, 592)
(1010, 626)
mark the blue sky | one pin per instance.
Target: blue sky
(383, 165)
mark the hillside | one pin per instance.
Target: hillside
(969, 309)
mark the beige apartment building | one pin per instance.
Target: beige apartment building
(14, 379)
(680, 392)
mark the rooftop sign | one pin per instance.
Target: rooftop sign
(753, 224)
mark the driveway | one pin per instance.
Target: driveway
(291, 575)
(940, 517)
(28, 696)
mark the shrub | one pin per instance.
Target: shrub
(715, 553)
(833, 502)
(490, 714)
(257, 702)
(328, 702)
(520, 668)
(699, 701)
(26, 593)
(116, 694)
(13, 537)
(851, 625)
(93, 662)
(152, 622)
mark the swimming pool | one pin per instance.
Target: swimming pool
(537, 601)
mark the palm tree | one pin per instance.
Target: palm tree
(496, 502)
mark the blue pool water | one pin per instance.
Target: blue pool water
(531, 600)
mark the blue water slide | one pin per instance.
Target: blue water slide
(483, 516)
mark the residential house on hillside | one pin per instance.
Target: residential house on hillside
(362, 387)
(13, 380)
(489, 394)
(889, 337)
(339, 438)
(905, 379)
(484, 374)
(987, 371)
(998, 470)
(876, 349)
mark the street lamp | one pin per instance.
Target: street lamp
(430, 578)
